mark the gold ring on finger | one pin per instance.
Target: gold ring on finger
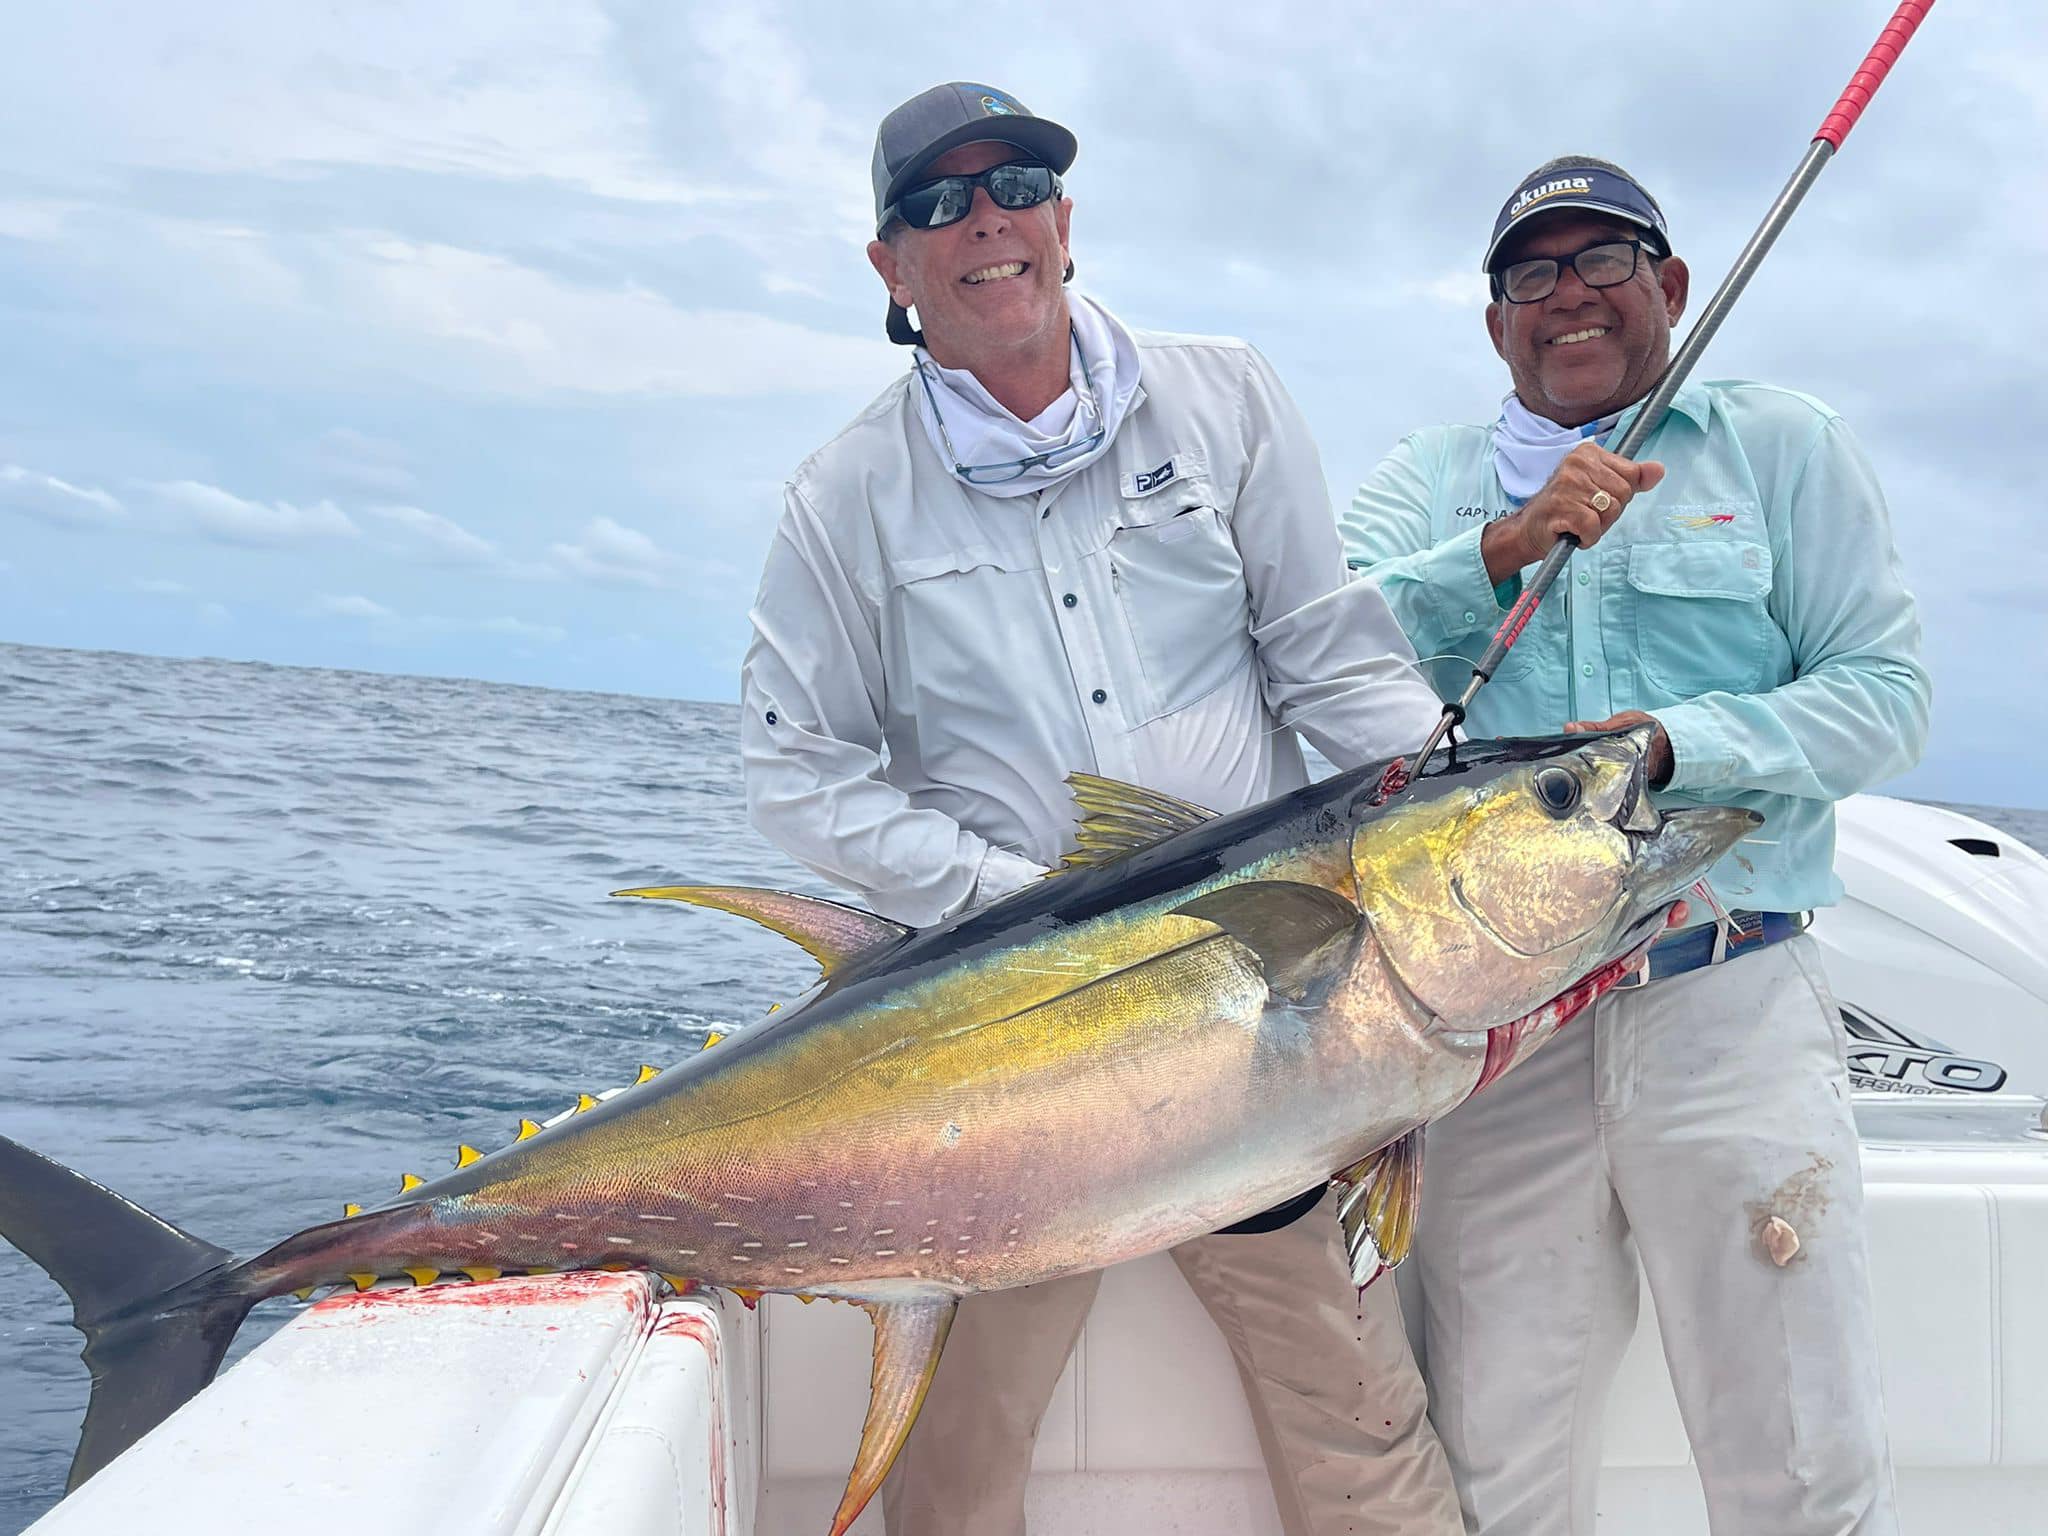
(1601, 501)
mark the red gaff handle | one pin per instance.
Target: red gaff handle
(1870, 74)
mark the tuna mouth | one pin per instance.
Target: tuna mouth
(1686, 844)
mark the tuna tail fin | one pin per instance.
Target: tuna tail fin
(156, 1305)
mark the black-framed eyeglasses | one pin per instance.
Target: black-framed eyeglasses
(1015, 184)
(1011, 469)
(1605, 265)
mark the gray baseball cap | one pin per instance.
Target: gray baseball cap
(959, 112)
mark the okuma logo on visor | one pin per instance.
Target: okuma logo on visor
(1549, 189)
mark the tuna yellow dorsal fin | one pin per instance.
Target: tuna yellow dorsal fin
(647, 1074)
(833, 934)
(908, 1338)
(1118, 819)
(409, 1182)
(527, 1128)
(466, 1154)
(1377, 1203)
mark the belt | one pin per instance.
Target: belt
(1697, 947)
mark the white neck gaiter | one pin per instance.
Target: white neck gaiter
(1104, 381)
(1527, 448)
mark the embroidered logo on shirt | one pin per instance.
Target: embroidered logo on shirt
(1710, 520)
(1146, 481)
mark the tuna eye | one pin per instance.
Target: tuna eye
(1558, 789)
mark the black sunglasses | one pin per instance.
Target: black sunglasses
(1013, 185)
(1606, 265)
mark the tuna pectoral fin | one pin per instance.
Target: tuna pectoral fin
(908, 1338)
(1380, 1197)
(834, 934)
(1301, 933)
(155, 1304)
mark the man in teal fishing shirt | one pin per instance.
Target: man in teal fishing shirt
(1739, 588)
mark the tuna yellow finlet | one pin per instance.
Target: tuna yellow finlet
(526, 1128)
(466, 1154)
(351, 1209)
(746, 1294)
(584, 1102)
(305, 1292)
(423, 1275)
(363, 1282)
(680, 1284)
(482, 1272)
(647, 1074)
(410, 1182)
(712, 1039)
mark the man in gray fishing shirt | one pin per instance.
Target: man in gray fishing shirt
(1060, 544)
(1737, 588)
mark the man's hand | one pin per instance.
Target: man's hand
(1582, 499)
(1659, 765)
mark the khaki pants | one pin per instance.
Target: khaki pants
(1677, 1119)
(1332, 1385)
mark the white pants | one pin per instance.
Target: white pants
(1335, 1396)
(1678, 1119)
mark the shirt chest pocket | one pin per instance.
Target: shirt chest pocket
(960, 618)
(1181, 586)
(1701, 617)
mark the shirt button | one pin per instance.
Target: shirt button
(1099, 696)
(1070, 599)
(1584, 577)
(1587, 669)
(1471, 617)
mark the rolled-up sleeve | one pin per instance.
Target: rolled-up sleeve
(811, 741)
(1334, 664)
(1856, 711)
(1439, 592)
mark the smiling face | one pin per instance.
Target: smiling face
(990, 288)
(1584, 352)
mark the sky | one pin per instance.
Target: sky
(478, 340)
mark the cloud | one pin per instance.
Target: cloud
(352, 606)
(615, 555)
(363, 463)
(214, 613)
(158, 587)
(472, 90)
(39, 221)
(51, 500)
(503, 624)
(221, 515)
(519, 330)
(435, 537)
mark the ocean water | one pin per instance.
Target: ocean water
(271, 937)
